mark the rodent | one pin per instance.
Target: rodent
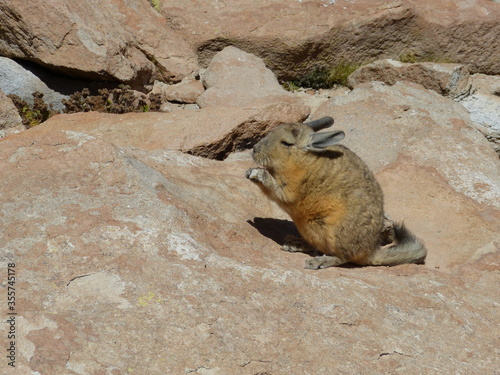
(332, 197)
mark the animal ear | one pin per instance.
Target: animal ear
(321, 123)
(319, 141)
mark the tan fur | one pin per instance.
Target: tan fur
(331, 196)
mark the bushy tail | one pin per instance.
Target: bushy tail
(406, 249)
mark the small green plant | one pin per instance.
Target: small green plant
(409, 57)
(155, 4)
(35, 114)
(316, 79)
(290, 86)
(339, 74)
(31, 117)
(413, 57)
(323, 77)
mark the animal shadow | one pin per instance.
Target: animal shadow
(274, 229)
(278, 229)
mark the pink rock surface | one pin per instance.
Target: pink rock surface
(211, 132)
(96, 40)
(451, 80)
(132, 256)
(129, 259)
(237, 78)
(293, 36)
(186, 91)
(135, 43)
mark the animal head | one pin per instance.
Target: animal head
(295, 142)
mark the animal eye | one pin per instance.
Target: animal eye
(287, 144)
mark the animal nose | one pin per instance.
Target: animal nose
(255, 149)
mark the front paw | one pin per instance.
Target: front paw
(256, 174)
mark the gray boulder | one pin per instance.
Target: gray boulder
(15, 79)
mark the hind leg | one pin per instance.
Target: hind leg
(324, 261)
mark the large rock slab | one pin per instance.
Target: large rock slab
(294, 36)
(438, 172)
(239, 79)
(212, 132)
(130, 258)
(452, 80)
(94, 39)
